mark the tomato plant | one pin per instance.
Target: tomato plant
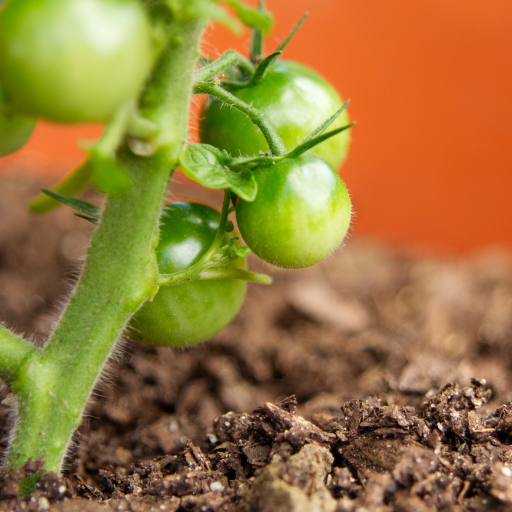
(294, 98)
(300, 215)
(189, 312)
(177, 278)
(73, 60)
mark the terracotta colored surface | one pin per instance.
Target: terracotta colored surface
(431, 90)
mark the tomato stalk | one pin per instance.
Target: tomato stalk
(225, 61)
(274, 142)
(52, 385)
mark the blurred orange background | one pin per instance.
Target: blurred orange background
(431, 89)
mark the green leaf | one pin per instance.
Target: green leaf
(262, 68)
(238, 251)
(27, 485)
(252, 18)
(84, 207)
(69, 186)
(311, 143)
(206, 165)
(94, 220)
(108, 176)
(224, 18)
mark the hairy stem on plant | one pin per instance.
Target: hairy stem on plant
(227, 60)
(14, 350)
(274, 142)
(53, 385)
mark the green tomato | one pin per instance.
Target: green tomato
(295, 100)
(192, 312)
(73, 60)
(300, 215)
(15, 130)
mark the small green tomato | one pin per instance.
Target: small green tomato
(300, 215)
(73, 60)
(295, 100)
(188, 313)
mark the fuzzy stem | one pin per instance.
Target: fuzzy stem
(14, 350)
(274, 142)
(225, 61)
(119, 274)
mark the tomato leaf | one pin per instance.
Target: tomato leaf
(206, 165)
(87, 210)
(224, 18)
(108, 176)
(252, 18)
(69, 186)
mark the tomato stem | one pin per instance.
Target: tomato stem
(14, 350)
(119, 274)
(274, 142)
(225, 61)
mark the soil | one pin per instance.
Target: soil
(376, 381)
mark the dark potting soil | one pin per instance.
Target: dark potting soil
(376, 381)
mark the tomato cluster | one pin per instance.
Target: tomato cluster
(83, 60)
(302, 210)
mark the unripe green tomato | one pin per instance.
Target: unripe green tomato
(188, 313)
(295, 100)
(300, 215)
(73, 60)
(15, 130)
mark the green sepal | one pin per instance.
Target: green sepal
(321, 129)
(283, 45)
(258, 75)
(69, 186)
(262, 68)
(254, 161)
(252, 18)
(108, 176)
(87, 210)
(207, 166)
(311, 143)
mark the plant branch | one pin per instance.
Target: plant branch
(225, 61)
(274, 142)
(13, 350)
